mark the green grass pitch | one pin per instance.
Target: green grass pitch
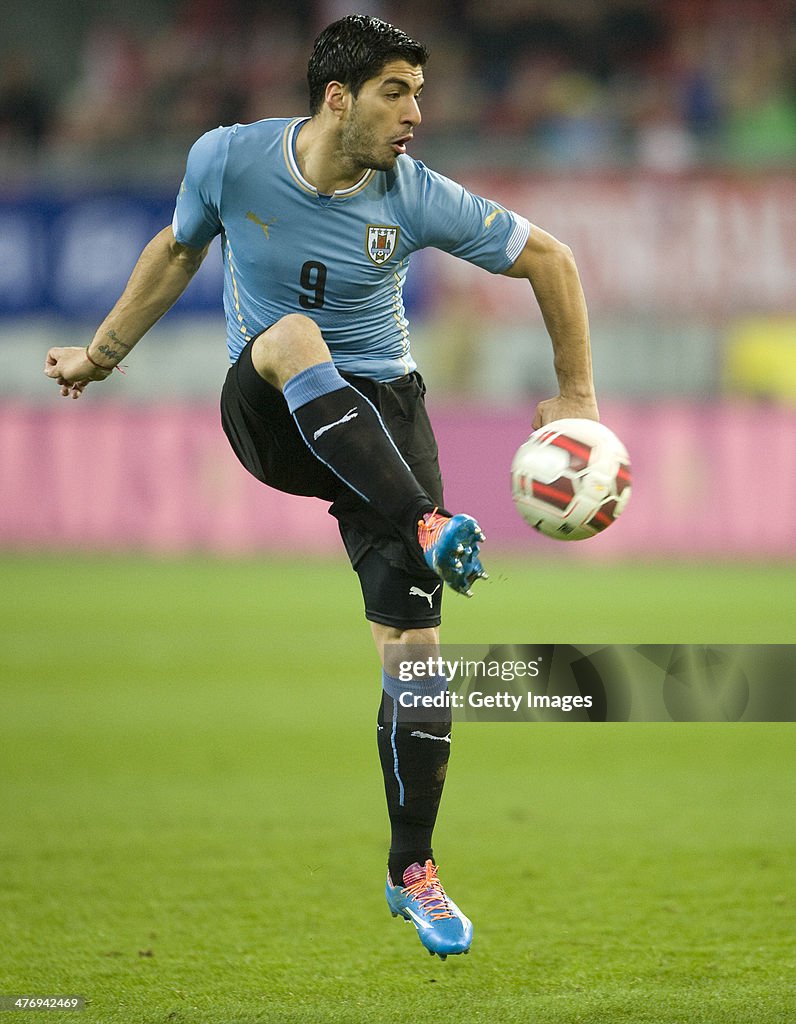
(193, 826)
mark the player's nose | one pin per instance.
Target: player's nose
(411, 114)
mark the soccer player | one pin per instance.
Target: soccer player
(318, 218)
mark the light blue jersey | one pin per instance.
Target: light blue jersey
(339, 259)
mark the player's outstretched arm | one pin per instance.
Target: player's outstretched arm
(550, 267)
(159, 278)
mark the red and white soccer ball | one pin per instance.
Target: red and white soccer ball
(571, 479)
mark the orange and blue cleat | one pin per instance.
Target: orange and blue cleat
(450, 546)
(442, 927)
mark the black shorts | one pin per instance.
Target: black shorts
(397, 590)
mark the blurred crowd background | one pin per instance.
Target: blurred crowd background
(564, 84)
(656, 137)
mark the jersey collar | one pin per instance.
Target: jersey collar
(289, 153)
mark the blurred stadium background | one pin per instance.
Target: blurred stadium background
(657, 139)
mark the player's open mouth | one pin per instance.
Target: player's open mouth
(399, 145)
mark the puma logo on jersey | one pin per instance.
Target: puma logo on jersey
(265, 225)
(417, 592)
(490, 218)
(350, 415)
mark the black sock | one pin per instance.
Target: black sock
(343, 429)
(414, 761)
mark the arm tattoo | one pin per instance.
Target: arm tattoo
(117, 340)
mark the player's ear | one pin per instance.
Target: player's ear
(336, 97)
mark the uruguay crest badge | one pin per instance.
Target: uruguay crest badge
(381, 242)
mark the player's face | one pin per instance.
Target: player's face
(382, 118)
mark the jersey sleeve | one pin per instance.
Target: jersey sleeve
(467, 225)
(197, 217)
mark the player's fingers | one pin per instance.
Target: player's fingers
(68, 388)
(52, 362)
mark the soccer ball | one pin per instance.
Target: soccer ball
(571, 479)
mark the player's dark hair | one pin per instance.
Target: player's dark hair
(355, 49)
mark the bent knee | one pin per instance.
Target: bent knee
(291, 345)
(296, 325)
(392, 641)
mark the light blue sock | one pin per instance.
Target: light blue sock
(312, 383)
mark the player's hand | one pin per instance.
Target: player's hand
(72, 370)
(561, 408)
